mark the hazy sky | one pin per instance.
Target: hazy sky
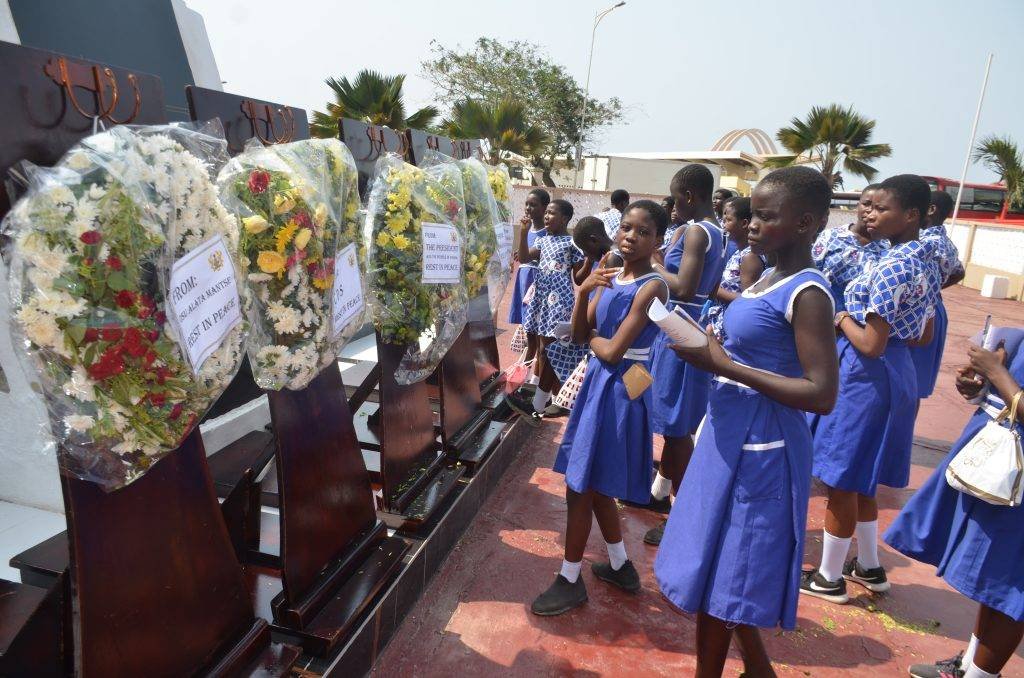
(687, 71)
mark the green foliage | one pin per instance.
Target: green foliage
(1002, 156)
(505, 125)
(494, 72)
(830, 135)
(372, 97)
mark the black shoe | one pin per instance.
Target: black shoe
(663, 506)
(526, 390)
(626, 577)
(654, 535)
(524, 408)
(560, 597)
(944, 668)
(554, 411)
(872, 579)
(813, 584)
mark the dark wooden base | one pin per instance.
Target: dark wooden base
(493, 399)
(255, 655)
(381, 620)
(429, 499)
(31, 630)
(43, 563)
(363, 574)
(483, 442)
(268, 552)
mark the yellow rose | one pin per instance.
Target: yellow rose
(302, 239)
(270, 262)
(255, 224)
(320, 215)
(401, 242)
(383, 239)
(283, 202)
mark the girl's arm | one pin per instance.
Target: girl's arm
(612, 350)
(991, 365)
(954, 278)
(683, 285)
(580, 274)
(926, 335)
(871, 339)
(751, 268)
(525, 252)
(816, 390)
(583, 313)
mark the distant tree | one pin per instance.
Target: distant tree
(1002, 156)
(829, 136)
(504, 125)
(493, 71)
(373, 98)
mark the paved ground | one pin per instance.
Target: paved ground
(474, 619)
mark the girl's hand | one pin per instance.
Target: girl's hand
(987, 363)
(968, 384)
(601, 277)
(710, 358)
(525, 222)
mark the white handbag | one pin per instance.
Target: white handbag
(991, 465)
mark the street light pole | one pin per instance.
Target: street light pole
(586, 91)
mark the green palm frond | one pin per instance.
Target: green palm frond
(1002, 156)
(371, 97)
(504, 125)
(829, 136)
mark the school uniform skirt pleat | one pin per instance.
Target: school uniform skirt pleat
(608, 445)
(524, 278)
(975, 546)
(927, 359)
(680, 391)
(867, 438)
(734, 548)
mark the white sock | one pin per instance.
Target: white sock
(540, 400)
(969, 652)
(867, 544)
(974, 672)
(833, 555)
(661, 487)
(534, 379)
(571, 571)
(616, 554)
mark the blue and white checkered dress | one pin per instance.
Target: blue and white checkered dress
(901, 288)
(730, 283)
(841, 257)
(946, 254)
(553, 296)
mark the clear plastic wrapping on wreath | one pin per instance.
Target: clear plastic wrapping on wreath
(499, 269)
(416, 235)
(299, 253)
(124, 294)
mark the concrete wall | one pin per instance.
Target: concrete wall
(602, 173)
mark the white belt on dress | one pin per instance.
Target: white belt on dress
(763, 447)
(639, 354)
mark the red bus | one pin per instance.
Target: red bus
(980, 202)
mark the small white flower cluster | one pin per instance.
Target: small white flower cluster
(142, 194)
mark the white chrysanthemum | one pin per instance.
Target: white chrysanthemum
(61, 195)
(60, 304)
(129, 444)
(288, 322)
(79, 423)
(80, 386)
(77, 161)
(40, 328)
(260, 277)
(41, 279)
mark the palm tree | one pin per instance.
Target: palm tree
(504, 125)
(830, 135)
(1001, 155)
(373, 98)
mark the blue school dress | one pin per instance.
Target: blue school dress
(840, 256)
(928, 358)
(681, 390)
(866, 439)
(524, 278)
(730, 283)
(553, 295)
(734, 548)
(608, 445)
(977, 547)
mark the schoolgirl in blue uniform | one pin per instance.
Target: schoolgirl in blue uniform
(928, 358)
(977, 547)
(866, 440)
(743, 268)
(533, 225)
(732, 552)
(675, 224)
(607, 449)
(558, 260)
(841, 254)
(680, 392)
